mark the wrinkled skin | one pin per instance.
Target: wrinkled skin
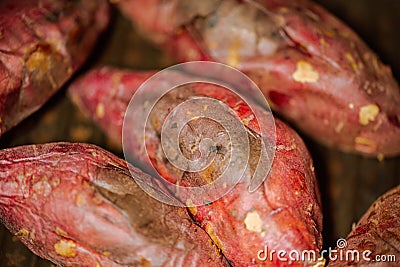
(77, 205)
(42, 43)
(312, 68)
(377, 231)
(283, 213)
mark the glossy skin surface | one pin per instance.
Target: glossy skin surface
(313, 69)
(42, 43)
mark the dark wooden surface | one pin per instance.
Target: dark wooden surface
(349, 183)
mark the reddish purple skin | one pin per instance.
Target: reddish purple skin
(288, 202)
(346, 76)
(104, 93)
(377, 231)
(42, 43)
(84, 197)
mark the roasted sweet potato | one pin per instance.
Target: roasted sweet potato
(376, 236)
(77, 205)
(42, 43)
(313, 69)
(283, 213)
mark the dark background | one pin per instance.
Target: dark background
(349, 183)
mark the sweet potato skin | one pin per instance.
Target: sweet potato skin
(284, 213)
(107, 106)
(42, 43)
(313, 69)
(287, 203)
(77, 205)
(377, 231)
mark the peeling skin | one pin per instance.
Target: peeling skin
(364, 141)
(40, 61)
(305, 73)
(310, 207)
(145, 262)
(42, 188)
(79, 200)
(253, 222)
(339, 127)
(233, 58)
(364, 144)
(368, 114)
(23, 232)
(323, 42)
(100, 110)
(65, 248)
(191, 207)
(353, 64)
(61, 232)
(211, 232)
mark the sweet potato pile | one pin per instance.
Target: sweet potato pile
(284, 213)
(77, 204)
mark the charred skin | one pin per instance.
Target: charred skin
(313, 69)
(42, 43)
(77, 205)
(377, 231)
(283, 213)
